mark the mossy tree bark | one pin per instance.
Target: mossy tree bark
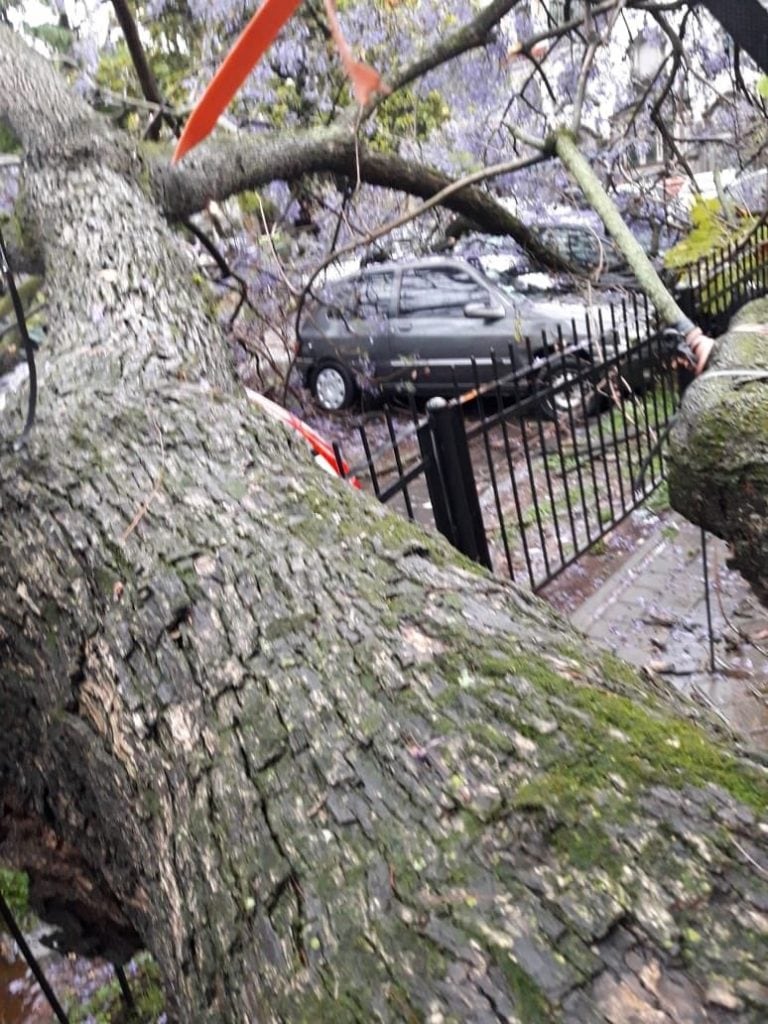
(719, 452)
(324, 771)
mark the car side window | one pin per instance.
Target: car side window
(339, 300)
(439, 291)
(373, 295)
(366, 297)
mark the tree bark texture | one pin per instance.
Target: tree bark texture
(719, 455)
(321, 768)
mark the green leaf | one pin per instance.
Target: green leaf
(14, 886)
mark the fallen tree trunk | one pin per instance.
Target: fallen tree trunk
(320, 768)
(719, 458)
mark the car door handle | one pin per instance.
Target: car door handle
(404, 328)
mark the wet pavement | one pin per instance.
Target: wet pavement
(21, 1000)
(652, 612)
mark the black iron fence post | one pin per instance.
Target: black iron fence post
(34, 966)
(451, 480)
(707, 601)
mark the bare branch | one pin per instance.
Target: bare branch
(587, 61)
(218, 258)
(147, 80)
(471, 36)
(678, 59)
(564, 29)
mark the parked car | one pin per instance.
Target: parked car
(749, 192)
(587, 249)
(425, 326)
(584, 247)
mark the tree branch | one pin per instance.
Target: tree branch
(603, 205)
(248, 162)
(678, 57)
(149, 86)
(588, 60)
(224, 268)
(471, 36)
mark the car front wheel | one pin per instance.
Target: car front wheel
(565, 389)
(333, 387)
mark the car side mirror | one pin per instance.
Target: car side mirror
(483, 311)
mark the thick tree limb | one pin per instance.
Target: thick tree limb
(223, 168)
(718, 464)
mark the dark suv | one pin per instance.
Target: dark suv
(423, 326)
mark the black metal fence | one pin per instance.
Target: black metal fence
(526, 472)
(529, 470)
(716, 286)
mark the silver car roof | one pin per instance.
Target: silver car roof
(416, 262)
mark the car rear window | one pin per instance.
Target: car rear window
(438, 291)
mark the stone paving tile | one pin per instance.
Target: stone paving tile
(653, 613)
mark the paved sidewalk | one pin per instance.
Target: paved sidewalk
(652, 612)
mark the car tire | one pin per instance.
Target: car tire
(333, 387)
(564, 389)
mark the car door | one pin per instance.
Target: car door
(371, 322)
(353, 324)
(434, 340)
